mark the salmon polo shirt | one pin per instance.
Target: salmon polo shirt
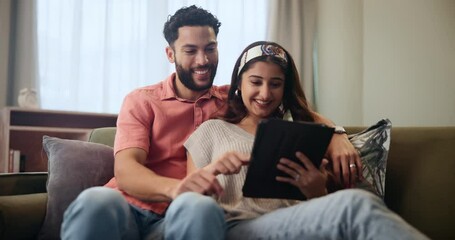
(153, 118)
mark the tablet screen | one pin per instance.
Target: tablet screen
(276, 138)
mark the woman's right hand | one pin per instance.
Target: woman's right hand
(228, 163)
(310, 180)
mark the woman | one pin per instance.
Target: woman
(265, 84)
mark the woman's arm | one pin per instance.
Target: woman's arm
(228, 163)
(341, 153)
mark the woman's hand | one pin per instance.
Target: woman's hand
(310, 180)
(228, 163)
(345, 160)
(199, 181)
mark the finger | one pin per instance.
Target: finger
(353, 170)
(224, 165)
(194, 183)
(241, 160)
(323, 166)
(286, 169)
(231, 166)
(192, 186)
(306, 161)
(243, 157)
(291, 181)
(346, 170)
(292, 165)
(359, 163)
(336, 169)
(209, 182)
(234, 163)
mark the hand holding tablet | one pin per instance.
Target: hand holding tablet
(274, 140)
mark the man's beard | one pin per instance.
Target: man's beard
(188, 81)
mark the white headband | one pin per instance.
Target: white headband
(262, 50)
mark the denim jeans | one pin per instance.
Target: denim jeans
(103, 213)
(346, 214)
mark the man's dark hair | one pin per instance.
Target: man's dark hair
(188, 16)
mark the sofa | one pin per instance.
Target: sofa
(420, 168)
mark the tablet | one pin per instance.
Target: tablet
(276, 138)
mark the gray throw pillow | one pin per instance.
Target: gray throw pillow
(73, 166)
(373, 145)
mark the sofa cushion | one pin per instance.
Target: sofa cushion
(73, 166)
(373, 145)
(21, 215)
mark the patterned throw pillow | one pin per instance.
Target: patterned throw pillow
(373, 145)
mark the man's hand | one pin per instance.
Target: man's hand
(200, 181)
(346, 162)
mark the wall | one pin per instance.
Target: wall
(406, 69)
(339, 95)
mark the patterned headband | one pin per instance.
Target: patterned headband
(262, 50)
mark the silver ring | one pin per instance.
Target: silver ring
(297, 177)
(352, 165)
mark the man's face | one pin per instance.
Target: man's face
(195, 54)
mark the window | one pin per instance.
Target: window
(92, 53)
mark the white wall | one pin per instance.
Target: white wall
(407, 61)
(339, 95)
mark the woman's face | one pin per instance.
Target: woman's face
(262, 88)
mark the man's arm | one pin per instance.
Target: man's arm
(139, 181)
(342, 153)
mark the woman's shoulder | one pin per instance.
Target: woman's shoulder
(210, 130)
(215, 124)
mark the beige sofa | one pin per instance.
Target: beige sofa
(420, 171)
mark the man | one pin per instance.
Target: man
(150, 195)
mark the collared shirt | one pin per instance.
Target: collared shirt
(154, 119)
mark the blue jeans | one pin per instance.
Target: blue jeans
(347, 214)
(103, 213)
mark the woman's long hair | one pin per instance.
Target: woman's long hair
(294, 99)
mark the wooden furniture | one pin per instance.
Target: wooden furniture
(23, 129)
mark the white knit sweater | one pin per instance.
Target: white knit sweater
(207, 144)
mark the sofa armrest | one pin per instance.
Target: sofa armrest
(21, 216)
(22, 183)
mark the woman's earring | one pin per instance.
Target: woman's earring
(238, 93)
(281, 108)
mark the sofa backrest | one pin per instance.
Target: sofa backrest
(104, 136)
(420, 171)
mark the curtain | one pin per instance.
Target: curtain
(292, 24)
(5, 22)
(18, 58)
(92, 53)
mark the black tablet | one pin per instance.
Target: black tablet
(276, 138)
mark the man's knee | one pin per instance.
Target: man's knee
(194, 216)
(95, 200)
(194, 204)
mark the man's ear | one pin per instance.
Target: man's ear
(170, 54)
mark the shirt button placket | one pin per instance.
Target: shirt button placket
(197, 114)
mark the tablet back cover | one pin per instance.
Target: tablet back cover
(276, 138)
